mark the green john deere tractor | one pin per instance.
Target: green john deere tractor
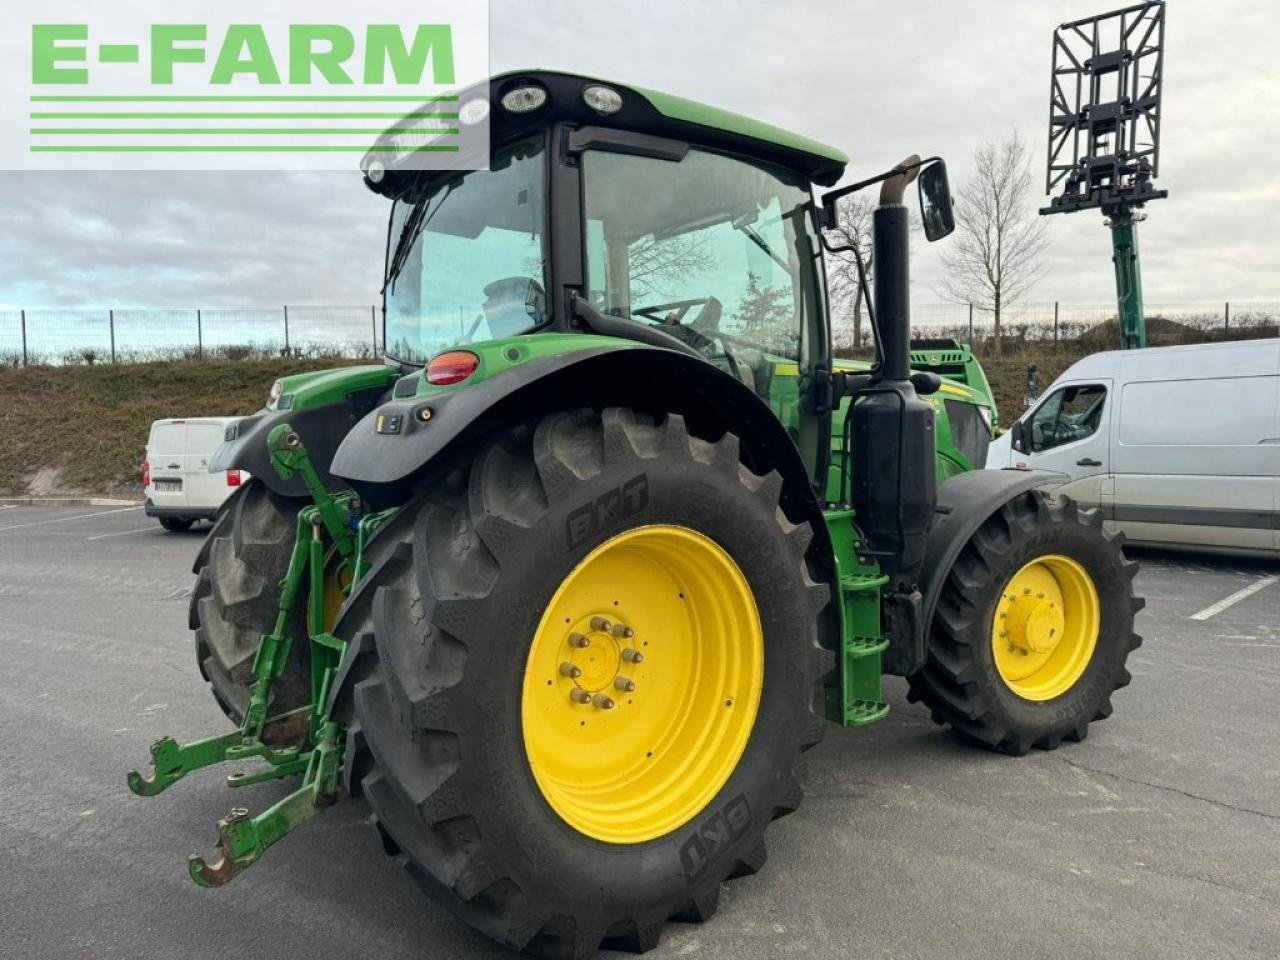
(565, 588)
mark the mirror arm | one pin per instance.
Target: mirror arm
(826, 213)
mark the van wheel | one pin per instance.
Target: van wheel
(176, 525)
(235, 600)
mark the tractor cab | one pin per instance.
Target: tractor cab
(629, 213)
(693, 225)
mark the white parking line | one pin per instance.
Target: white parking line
(123, 533)
(80, 516)
(1235, 598)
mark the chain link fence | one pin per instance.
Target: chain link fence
(87, 336)
(1076, 327)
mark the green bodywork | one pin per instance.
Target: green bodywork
(956, 363)
(499, 356)
(691, 111)
(319, 388)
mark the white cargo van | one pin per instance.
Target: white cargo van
(1176, 445)
(177, 483)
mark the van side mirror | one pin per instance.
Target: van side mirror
(936, 212)
(1019, 437)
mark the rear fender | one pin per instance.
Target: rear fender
(392, 450)
(323, 407)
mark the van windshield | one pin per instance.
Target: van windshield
(467, 258)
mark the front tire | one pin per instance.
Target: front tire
(1032, 628)
(519, 803)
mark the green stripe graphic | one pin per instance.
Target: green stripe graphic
(228, 148)
(317, 115)
(243, 98)
(236, 131)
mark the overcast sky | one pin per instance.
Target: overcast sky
(879, 79)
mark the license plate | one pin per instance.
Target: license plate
(168, 486)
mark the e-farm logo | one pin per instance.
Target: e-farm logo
(316, 50)
(276, 85)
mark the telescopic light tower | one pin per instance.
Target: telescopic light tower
(1104, 134)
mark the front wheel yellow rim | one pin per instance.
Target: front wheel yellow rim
(1045, 628)
(642, 684)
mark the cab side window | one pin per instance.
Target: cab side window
(1067, 415)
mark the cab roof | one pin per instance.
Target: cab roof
(658, 114)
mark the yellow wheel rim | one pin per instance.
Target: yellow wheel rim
(1046, 627)
(642, 684)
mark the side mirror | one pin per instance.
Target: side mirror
(1019, 437)
(935, 202)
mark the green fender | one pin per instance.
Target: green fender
(390, 450)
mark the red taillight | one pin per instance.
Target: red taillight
(146, 473)
(452, 367)
(233, 478)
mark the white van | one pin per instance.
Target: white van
(1176, 445)
(175, 476)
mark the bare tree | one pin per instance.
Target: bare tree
(855, 217)
(657, 266)
(995, 256)
(852, 229)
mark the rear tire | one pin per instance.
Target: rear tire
(235, 600)
(964, 680)
(439, 668)
(176, 525)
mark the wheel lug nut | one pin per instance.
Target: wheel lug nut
(603, 702)
(601, 624)
(625, 685)
(571, 671)
(578, 695)
(632, 656)
(578, 640)
(623, 631)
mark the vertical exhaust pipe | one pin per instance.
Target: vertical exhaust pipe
(895, 485)
(890, 228)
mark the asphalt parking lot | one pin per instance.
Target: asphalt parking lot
(1159, 836)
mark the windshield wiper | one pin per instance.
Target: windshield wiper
(744, 225)
(417, 221)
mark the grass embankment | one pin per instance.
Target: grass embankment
(1008, 377)
(82, 430)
